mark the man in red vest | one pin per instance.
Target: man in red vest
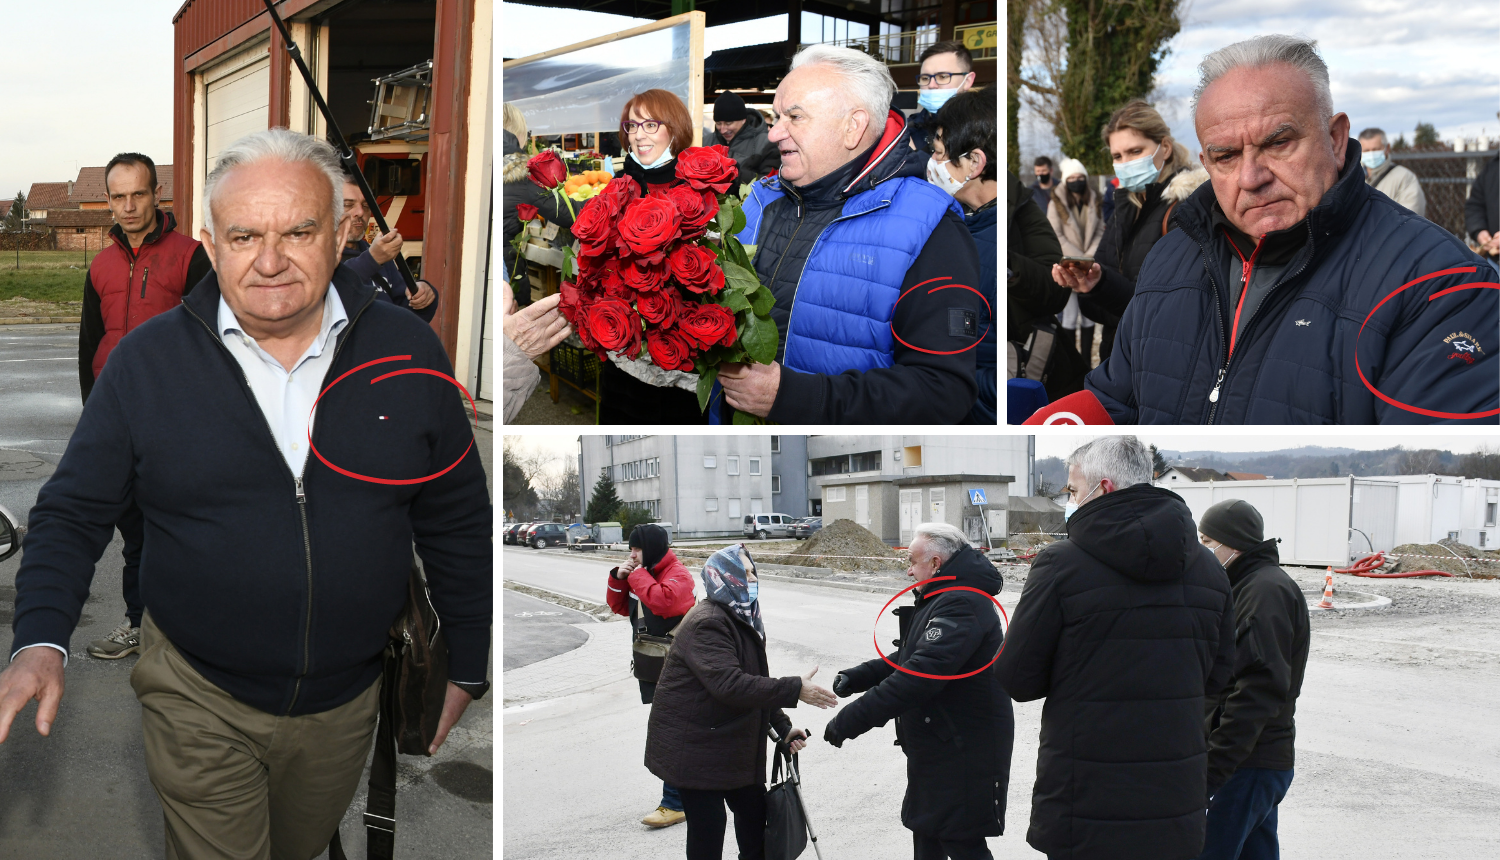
(146, 271)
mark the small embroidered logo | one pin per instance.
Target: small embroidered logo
(1465, 346)
(933, 633)
(1304, 322)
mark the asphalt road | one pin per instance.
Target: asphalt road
(535, 629)
(1394, 758)
(83, 792)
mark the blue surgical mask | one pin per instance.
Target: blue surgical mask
(1137, 174)
(933, 100)
(665, 157)
(754, 589)
(1373, 160)
(1069, 509)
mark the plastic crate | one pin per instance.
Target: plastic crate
(574, 364)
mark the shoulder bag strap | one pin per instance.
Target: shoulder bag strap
(1164, 218)
(380, 805)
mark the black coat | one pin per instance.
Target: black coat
(1124, 627)
(713, 703)
(516, 188)
(1482, 209)
(956, 734)
(1250, 721)
(753, 153)
(1031, 295)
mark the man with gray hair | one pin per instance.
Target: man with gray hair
(1124, 627)
(1293, 292)
(1388, 177)
(270, 578)
(953, 718)
(868, 252)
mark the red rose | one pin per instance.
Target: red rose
(614, 326)
(648, 225)
(707, 325)
(644, 276)
(547, 170)
(659, 307)
(618, 194)
(698, 208)
(592, 229)
(590, 268)
(525, 211)
(669, 350)
(616, 287)
(696, 268)
(707, 167)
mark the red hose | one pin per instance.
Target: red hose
(1402, 574)
(1364, 565)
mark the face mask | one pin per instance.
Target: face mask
(1223, 562)
(1137, 174)
(1078, 186)
(1373, 160)
(754, 588)
(933, 100)
(665, 157)
(937, 174)
(1043, 178)
(1070, 509)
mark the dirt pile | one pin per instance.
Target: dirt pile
(842, 538)
(1435, 556)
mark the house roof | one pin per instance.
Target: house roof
(80, 218)
(49, 195)
(89, 187)
(5, 207)
(1245, 476)
(1195, 474)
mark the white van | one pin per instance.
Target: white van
(762, 526)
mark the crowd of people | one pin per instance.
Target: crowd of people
(839, 175)
(1236, 285)
(1170, 655)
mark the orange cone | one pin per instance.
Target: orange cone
(1327, 601)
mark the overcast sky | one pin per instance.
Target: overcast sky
(1058, 445)
(1392, 63)
(85, 79)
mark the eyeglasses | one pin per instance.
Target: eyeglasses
(939, 78)
(650, 126)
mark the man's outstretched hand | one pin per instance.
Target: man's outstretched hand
(36, 673)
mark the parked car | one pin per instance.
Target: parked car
(516, 533)
(547, 534)
(762, 526)
(806, 527)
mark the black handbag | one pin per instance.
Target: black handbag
(786, 822)
(648, 653)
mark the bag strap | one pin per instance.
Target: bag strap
(1170, 207)
(380, 804)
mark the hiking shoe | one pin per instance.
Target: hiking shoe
(663, 817)
(121, 642)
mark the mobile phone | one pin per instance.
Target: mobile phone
(1078, 262)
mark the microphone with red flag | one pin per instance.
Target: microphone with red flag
(1079, 408)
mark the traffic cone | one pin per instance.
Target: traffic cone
(1327, 601)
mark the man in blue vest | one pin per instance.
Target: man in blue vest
(874, 273)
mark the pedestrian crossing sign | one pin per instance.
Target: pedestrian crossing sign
(976, 498)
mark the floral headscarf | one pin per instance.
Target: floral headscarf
(726, 583)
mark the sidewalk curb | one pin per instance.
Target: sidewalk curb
(598, 611)
(38, 320)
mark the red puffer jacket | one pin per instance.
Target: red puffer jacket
(666, 589)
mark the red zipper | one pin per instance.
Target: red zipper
(1246, 267)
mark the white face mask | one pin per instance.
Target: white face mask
(937, 174)
(665, 157)
(1224, 562)
(1070, 509)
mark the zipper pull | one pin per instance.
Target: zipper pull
(145, 276)
(1245, 274)
(1213, 396)
(302, 497)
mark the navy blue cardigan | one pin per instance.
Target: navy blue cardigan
(281, 599)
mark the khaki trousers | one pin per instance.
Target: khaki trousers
(236, 783)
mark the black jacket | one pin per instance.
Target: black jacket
(359, 261)
(1250, 721)
(1482, 209)
(919, 387)
(1030, 295)
(751, 149)
(1124, 627)
(280, 590)
(956, 734)
(516, 188)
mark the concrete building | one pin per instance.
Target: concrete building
(893, 507)
(895, 456)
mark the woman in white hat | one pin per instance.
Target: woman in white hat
(1074, 212)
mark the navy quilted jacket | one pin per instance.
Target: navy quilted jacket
(1294, 363)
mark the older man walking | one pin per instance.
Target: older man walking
(871, 266)
(1287, 296)
(956, 728)
(1388, 177)
(271, 578)
(1124, 628)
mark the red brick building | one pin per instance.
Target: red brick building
(80, 229)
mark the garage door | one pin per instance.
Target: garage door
(237, 100)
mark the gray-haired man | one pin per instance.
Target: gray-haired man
(1123, 627)
(953, 719)
(271, 578)
(1388, 177)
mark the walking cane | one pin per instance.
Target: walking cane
(794, 774)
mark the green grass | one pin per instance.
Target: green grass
(42, 285)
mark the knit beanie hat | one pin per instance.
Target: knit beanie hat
(1235, 523)
(1071, 166)
(729, 108)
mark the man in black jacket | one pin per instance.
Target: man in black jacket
(743, 131)
(1482, 211)
(376, 262)
(1124, 627)
(1249, 723)
(271, 578)
(956, 731)
(1033, 299)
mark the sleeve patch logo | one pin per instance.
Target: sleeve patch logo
(933, 633)
(1465, 346)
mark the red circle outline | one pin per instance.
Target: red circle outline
(421, 370)
(930, 292)
(1431, 413)
(874, 637)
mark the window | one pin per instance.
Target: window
(710, 504)
(1489, 513)
(755, 465)
(775, 444)
(1452, 535)
(733, 463)
(734, 509)
(710, 462)
(834, 494)
(775, 484)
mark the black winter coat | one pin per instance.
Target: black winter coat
(516, 188)
(1124, 627)
(752, 151)
(1482, 209)
(1250, 721)
(956, 734)
(713, 703)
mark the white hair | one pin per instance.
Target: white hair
(277, 144)
(868, 80)
(947, 540)
(1122, 459)
(1301, 54)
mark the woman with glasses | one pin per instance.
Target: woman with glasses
(654, 127)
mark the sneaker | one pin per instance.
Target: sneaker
(121, 642)
(663, 817)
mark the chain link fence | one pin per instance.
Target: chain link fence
(1446, 178)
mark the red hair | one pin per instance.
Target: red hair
(665, 107)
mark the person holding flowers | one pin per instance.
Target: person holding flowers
(518, 189)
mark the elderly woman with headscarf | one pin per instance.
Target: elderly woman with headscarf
(714, 704)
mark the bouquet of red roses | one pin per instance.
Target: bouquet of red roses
(648, 272)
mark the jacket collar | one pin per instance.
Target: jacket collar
(203, 301)
(889, 157)
(1254, 558)
(166, 222)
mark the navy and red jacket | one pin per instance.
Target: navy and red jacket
(279, 589)
(126, 286)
